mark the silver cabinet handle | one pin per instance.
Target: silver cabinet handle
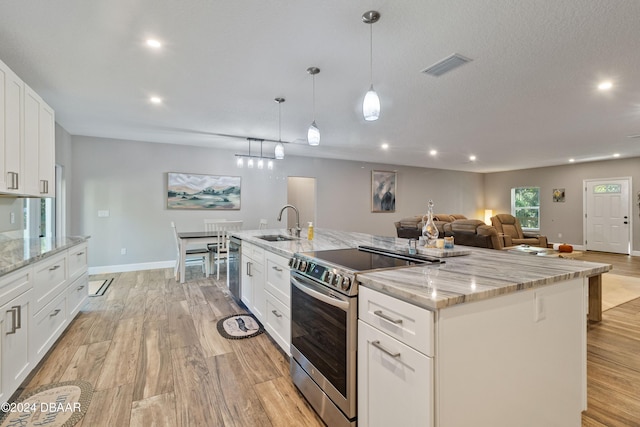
(80, 253)
(379, 346)
(13, 312)
(44, 186)
(379, 313)
(18, 309)
(55, 312)
(275, 313)
(248, 269)
(13, 179)
(79, 288)
(276, 268)
(55, 267)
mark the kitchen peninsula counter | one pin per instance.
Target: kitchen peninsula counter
(18, 253)
(479, 275)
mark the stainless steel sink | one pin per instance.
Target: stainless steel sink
(276, 238)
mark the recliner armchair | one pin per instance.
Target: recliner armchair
(473, 232)
(509, 227)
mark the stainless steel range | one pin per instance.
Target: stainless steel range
(324, 314)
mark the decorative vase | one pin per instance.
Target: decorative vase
(429, 230)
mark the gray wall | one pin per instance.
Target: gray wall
(564, 218)
(128, 178)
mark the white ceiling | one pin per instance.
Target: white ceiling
(527, 99)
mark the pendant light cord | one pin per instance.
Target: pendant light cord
(314, 96)
(371, 52)
(279, 121)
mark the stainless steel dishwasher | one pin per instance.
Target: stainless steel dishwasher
(234, 268)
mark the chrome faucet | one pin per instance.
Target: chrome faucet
(297, 229)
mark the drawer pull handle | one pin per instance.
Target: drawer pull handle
(13, 312)
(55, 267)
(278, 269)
(18, 309)
(55, 312)
(379, 346)
(80, 253)
(379, 313)
(275, 313)
(79, 288)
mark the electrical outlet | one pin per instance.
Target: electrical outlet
(559, 235)
(123, 251)
(12, 217)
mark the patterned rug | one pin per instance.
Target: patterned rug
(239, 326)
(53, 405)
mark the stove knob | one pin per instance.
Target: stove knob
(346, 283)
(292, 261)
(303, 266)
(337, 281)
(296, 263)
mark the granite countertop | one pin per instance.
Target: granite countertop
(18, 253)
(476, 275)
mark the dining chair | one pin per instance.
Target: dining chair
(221, 249)
(200, 255)
(208, 224)
(263, 224)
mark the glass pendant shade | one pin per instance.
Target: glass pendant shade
(313, 134)
(250, 163)
(279, 151)
(260, 164)
(240, 162)
(270, 165)
(371, 105)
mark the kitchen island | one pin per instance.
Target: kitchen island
(487, 338)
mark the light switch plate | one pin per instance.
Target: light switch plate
(103, 214)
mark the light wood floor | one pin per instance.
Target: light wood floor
(151, 350)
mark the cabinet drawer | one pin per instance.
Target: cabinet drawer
(408, 323)
(77, 261)
(49, 280)
(48, 324)
(278, 280)
(15, 284)
(278, 322)
(77, 294)
(252, 251)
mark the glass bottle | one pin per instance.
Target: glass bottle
(429, 230)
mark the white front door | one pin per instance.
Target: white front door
(607, 215)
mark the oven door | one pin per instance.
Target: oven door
(324, 339)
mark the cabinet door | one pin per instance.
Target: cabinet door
(247, 282)
(259, 296)
(14, 344)
(46, 151)
(11, 98)
(31, 142)
(395, 382)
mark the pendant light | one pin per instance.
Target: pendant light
(313, 134)
(371, 103)
(279, 151)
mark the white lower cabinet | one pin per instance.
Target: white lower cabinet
(278, 293)
(14, 344)
(37, 303)
(253, 279)
(395, 381)
(278, 323)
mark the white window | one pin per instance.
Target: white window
(525, 205)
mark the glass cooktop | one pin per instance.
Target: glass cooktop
(362, 259)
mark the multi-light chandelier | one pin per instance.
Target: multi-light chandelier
(254, 160)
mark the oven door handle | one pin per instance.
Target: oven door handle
(331, 300)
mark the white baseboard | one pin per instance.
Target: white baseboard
(106, 269)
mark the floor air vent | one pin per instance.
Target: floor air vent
(446, 65)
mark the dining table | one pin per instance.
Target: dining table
(187, 238)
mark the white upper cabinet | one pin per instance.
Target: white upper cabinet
(28, 137)
(11, 97)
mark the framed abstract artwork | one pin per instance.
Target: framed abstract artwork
(210, 192)
(383, 191)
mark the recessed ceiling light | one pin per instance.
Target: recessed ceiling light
(606, 85)
(154, 43)
(385, 146)
(155, 100)
(472, 158)
(433, 152)
(616, 154)
(572, 160)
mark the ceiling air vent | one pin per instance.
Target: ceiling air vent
(446, 65)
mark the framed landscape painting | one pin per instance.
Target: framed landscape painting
(211, 192)
(383, 191)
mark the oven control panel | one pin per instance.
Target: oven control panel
(332, 277)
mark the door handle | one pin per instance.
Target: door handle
(278, 269)
(379, 313)
(626, 222)
(55, 312)
(13, 312)
(18, 309)
(275, 313)
(379, 346)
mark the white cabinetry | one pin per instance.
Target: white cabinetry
(11, 97)
(27, 137)
(253, 279)
(37, 303)
(278, 297)
(15, 361)
(395, 363)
